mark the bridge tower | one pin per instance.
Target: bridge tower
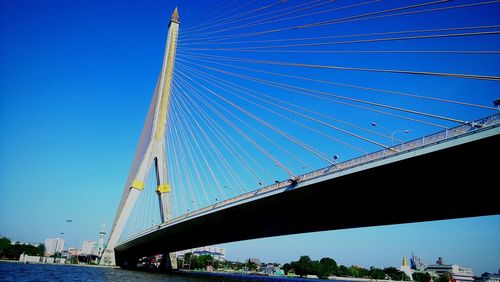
(151, 149)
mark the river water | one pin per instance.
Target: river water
(13, 271)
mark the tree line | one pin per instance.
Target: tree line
(322, 268)
(13, 251)
(326, 267)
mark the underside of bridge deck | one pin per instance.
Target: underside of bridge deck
(459, 181)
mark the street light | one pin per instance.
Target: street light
(496, 103)
(396, 131)
(389, 132)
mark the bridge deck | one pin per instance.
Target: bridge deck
(415, 181)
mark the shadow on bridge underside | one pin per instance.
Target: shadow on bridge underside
(454, 182)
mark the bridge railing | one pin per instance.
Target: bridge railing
(450, 133)
(419, 143)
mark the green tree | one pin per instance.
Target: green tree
(377, 273)
(251, 266)
(324, 268)
(330, 264)
(355, 272)
(218, 264)
(201, 261)
(363, 272)
(303, 266)
(41, 250)
(4, 245)
(445, 277)
(320, 270)
(187, 261)
(422, 276)
(286, 268)
(344, 271)
(238, 265)
(395, 274)
(13, 251)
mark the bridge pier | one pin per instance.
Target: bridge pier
(168, 262)
(126, 262)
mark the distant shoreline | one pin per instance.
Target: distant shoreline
(259, 277)
(248, 276)
(68, 264)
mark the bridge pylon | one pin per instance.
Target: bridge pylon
(150, 151)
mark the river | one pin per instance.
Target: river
(14, 271)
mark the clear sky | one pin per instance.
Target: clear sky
(76, 79)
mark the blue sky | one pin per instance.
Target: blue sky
(77, 78)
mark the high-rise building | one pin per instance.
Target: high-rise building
(88, 247)
(53, 245)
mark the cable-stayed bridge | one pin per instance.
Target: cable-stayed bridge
(276, 117)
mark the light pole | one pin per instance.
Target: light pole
(496, 103)
(389, 132)
(396, 131)
(333, 164)
(335, 158)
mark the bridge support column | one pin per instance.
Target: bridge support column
(151, 148)
(168, 262)
(108, 256)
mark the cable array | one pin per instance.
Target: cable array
(266, 91)
(146, 211)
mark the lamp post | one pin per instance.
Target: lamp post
(333, 164)
(496, 103)
(389, 132)
(396, 131)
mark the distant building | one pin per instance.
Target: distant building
(23, 243)
(416, 263)
(271, 269)
(216, 252)
(88, 247)
(486, 277)
(457, 273)
(72, 251)
(53, 245)
(405, 268)
(256, 261)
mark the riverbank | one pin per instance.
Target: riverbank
(56, 263)
(261, 277)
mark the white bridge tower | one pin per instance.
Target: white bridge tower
(150, 151)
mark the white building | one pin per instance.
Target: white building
(459, 274)
(88, 247)
(490, 277)
(53, 245)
